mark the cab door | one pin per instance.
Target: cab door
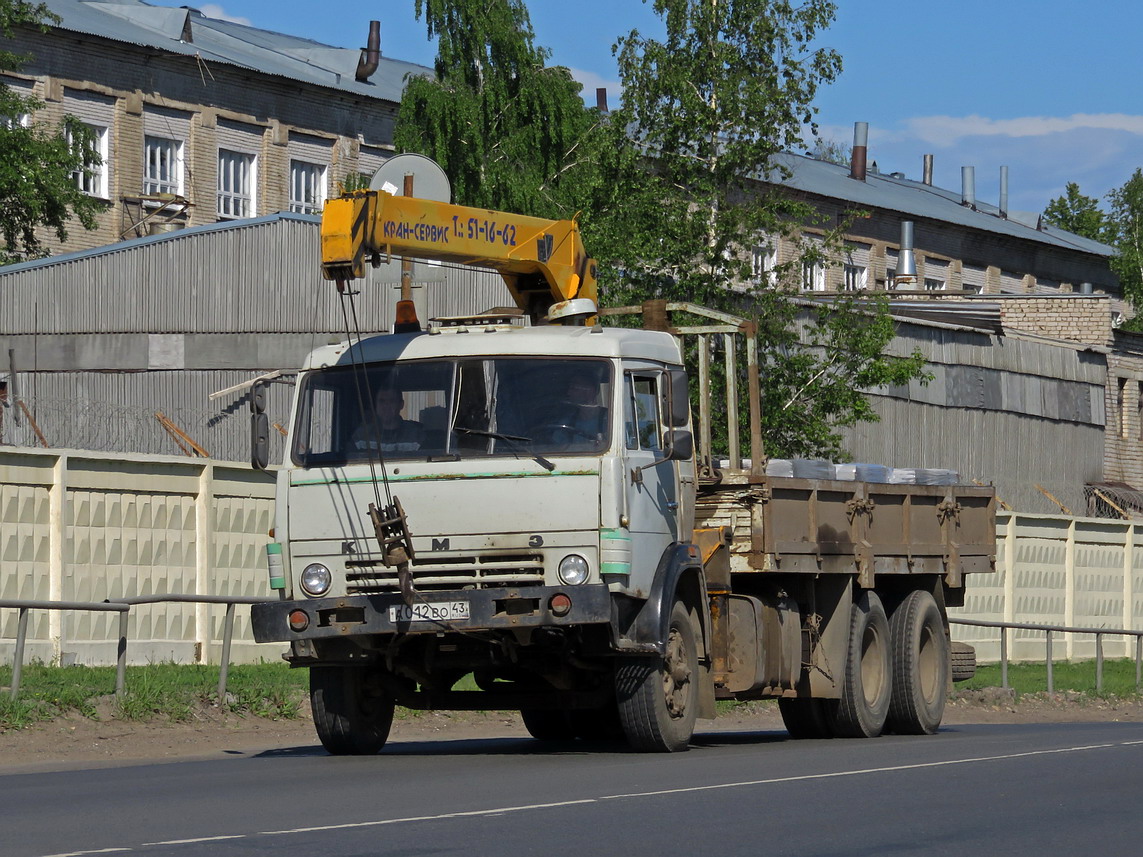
(651, 480)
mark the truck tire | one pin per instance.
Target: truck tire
(867, 682)
(352, 712)
(920, 666)
(963, 658)
(658, 696)
(807, 718)
(548, 724)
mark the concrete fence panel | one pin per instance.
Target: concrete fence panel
(86, 526)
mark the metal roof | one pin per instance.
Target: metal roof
(917, 199)
(216, 41)
(177, 235)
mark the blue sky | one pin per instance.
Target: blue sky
(1049, 88)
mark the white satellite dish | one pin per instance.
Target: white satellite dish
(429, 180)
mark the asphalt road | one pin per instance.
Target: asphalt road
(1059, 789)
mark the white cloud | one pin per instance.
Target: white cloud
(948, 130)
(213, 10)
(592, 81)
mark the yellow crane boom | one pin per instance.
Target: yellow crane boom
(543, 262)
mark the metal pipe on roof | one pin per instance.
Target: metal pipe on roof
(370, 54)
(601, 99)
(927, 170)
(968, 186)
(906, 272)
(860, 149)
(1004, 192)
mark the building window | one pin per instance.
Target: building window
(237, 184)
(763, 262)
(813, 276)
(307, 187)
(934, 285)
(20, 119)
(162, 166)
(92, 177)
(1121, 405)
(856, 278)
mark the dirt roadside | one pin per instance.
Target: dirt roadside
(71, 742)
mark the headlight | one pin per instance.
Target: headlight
(316, 579)
(573, 570)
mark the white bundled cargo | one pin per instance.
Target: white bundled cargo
(861, 472)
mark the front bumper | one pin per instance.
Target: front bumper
(488, 609)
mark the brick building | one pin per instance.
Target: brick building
(199, 120)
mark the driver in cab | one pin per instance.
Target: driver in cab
(395, 433)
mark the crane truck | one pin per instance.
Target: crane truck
(489, 515)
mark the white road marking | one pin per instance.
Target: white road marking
(470, 813)
(857, 772)
(505, 809)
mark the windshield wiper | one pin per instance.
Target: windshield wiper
(512, 440)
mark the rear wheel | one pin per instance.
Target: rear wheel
(658, 697)
(597, 724)
(807, 718)
(920, 666)
(352, 711)
(867, 684)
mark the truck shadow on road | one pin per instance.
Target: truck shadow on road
(530, 747)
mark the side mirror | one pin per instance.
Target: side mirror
(259, 428)
(677, 407)
(680, 445)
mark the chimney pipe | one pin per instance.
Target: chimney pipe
(906, 264)
(1004, 192)
(370, 54)
(857, 159)
(927, 171)
(968, 187)
(601, 99)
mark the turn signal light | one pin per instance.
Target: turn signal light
(560, 604)
(299, 621)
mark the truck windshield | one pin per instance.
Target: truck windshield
(462, 408)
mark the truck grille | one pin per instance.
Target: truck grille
(487, 571)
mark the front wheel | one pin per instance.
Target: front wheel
(352, 711)
(658, 697)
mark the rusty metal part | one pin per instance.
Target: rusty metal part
(392, 530)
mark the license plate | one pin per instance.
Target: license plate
(432, 611)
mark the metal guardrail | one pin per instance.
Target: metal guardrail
(1048, 630)
(123, 606)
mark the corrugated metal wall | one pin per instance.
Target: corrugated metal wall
(154, 321)
(1001, 409)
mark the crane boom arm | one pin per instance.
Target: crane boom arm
(542, 261)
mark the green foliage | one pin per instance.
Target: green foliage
(37, 163)
(1126, 230)
(679, 208)
(831, 151)
(510, 132)
(1078, 214)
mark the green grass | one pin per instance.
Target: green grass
(1078, 676)
(176, 693)
(157, 691)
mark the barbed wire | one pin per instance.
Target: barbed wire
(1105, 501)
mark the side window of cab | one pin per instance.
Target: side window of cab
(641, 425)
